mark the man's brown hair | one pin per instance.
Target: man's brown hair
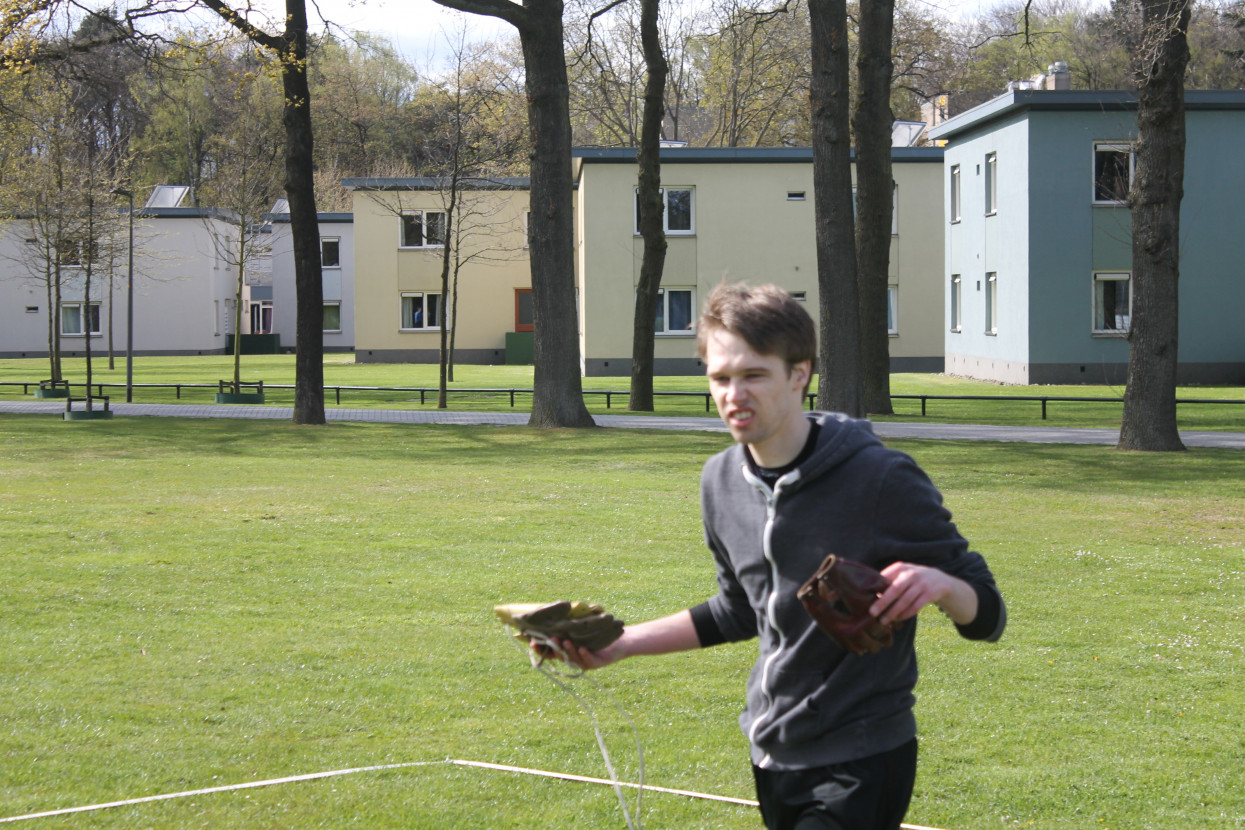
(768, 319)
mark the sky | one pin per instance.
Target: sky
(416, 27)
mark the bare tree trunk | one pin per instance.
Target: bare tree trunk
(237, 310)
(89, 262)
(304, 223)
(874, 197)
(654, 260)
(446, 251)
(1149, 421)
(558, 399)
(839, 386)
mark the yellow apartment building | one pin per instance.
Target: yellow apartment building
(401, 235)
(741, 214)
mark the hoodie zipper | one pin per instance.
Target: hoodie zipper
(771, 507)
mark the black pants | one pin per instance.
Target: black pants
(869, 794)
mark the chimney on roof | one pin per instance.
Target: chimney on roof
(1058, 76)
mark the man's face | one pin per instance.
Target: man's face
(757, 397)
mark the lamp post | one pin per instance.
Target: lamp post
(129, 302)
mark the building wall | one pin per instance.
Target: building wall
(1066, 239)
(1212, 249)
(487, 282)
(746, 228)
(980, 244)
(1070, 239)
(181, 291)
(337, 283)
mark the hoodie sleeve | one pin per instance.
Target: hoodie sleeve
(912, 525)
(729, 610)
(728, 616)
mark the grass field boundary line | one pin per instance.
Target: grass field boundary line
(566, 776)
(246, 785)
(312, 776)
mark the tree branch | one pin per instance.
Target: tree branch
(248, 29)
(512, 13)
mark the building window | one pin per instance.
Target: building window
(892, 309)
(332, 318)
(955, 302)
(992, 303)
(795, 195)
(330, 252)
(1112, 303)
(423, 228)
(524, 318)
(1113, 172)
(674, 311)
(894, 210)
(955, 193)
(678, 211)
(71, 318)
(992, 183)
(261, 317)
(421, 311)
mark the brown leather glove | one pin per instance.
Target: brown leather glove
(586, 625)
(838, 597)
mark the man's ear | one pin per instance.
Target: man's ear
(802, 372)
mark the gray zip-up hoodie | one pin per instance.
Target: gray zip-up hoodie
(810, 702)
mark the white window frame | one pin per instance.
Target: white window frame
(1113, 147)
(77, 306)
(992, 184)
(954, 188)
(894, 208)
(1121, 327)
(336, 239)
(665, 210)
(957, 300)
(255, 313)
(663, 312)
(333, 304)
(892, 310)
(424, 244)
(405, 325)
(992, 303)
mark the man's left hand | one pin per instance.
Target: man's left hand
(915, 586)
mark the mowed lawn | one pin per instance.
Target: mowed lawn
(191, 604)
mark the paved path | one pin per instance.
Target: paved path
(884, 429)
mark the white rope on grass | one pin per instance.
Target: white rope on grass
(549, 647)
(248, 785)
(292, 779)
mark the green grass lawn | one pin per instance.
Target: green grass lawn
(340, 370)
(190, 604)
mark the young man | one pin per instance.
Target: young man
(833, 735)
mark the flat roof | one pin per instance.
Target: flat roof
(435, 183)
(1074, 100)
(745, 155)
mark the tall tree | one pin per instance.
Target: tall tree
(871, 124)
(653, 261)
(557, 399)
(1161, 54)
(245, 185)
(839, 385)
(753, 73)
(290, 49)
